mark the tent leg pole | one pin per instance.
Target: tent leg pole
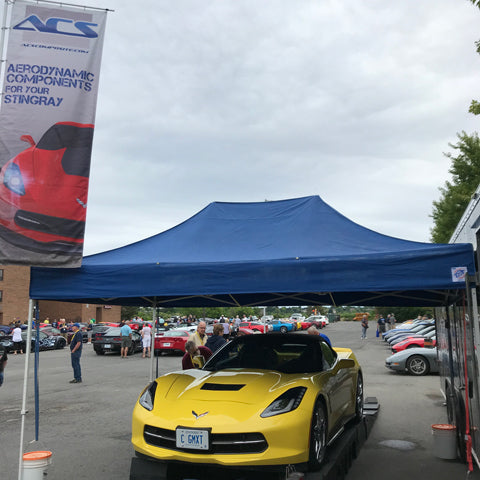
(152, 346)
(25, 384)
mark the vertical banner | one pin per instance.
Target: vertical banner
(47, 116)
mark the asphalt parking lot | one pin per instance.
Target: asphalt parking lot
(87, 426)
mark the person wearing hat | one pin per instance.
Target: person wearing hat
(76, 352)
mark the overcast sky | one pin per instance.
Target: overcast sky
(242, 101)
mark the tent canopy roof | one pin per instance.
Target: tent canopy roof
(289, 252)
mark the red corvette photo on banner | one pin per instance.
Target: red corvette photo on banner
(47, 113)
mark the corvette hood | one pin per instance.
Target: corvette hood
(198, 398)
(248, 387)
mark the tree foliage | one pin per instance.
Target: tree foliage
(455, 195)
(405, 313)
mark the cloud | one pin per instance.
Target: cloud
(241, 101)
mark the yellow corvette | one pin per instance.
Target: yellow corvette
(262, 400)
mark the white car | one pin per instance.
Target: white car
(318, 318)
(187, 328)
(297, 317)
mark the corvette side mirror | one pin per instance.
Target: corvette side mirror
(346, 363)
(28, 139)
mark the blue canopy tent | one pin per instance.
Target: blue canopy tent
(289, 252)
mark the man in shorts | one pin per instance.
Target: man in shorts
(126, 333)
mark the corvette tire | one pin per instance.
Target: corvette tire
(318, 436)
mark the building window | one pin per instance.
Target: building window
(1, 274)
(1, 295)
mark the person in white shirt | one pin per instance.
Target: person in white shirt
(17, 339)
(146, 340)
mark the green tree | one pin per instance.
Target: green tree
(128, 312)
(455, 195)
(475, 105)
(404, 313)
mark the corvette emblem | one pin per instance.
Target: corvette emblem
(198, 415)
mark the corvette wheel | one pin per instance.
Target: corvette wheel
(318, 436)
(283, 329)
(417, 365)
(359, 399)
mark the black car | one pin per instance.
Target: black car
(46, 342)
(111, 341)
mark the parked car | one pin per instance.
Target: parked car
(246, 331)
(297, 317)
(415, 342)
(111, 341)
(190, 328)
(260, 400)
(161, 329)
(257, 326)
(320, 321)
(397, 333)
(304, 325)
(43, 191)
(424, 330)
(416, 361)
(47, 341)
(282, 326)
(6, 329)
(172, 341)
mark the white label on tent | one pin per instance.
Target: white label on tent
(458, 274)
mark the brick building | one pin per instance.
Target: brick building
(14, 297)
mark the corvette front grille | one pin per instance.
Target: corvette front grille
(232, 443)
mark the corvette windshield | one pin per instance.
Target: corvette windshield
(283, 353)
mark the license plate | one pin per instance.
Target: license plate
(192, 438)
(166, 344)
(107, 345)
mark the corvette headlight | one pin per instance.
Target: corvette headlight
(148, 396)
(286, 402)
(12, 179)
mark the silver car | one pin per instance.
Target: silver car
(416, 361)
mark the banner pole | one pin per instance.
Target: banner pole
(23, 412)
(60, 3)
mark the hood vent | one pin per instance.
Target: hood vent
(232, 387)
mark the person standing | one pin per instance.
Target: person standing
(217, 340)
(64, 331)
(392, 321)
(381, 326)
(126, 333)
(89, 331)
(146, 340)
(226, 329)
(76, 344)
(17, 339)
(199, 337)
(3, 364)
(364, 327)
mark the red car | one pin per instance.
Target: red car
(303, 324)
(413, 342)
(245, 331)
(43, 191)
(172, 341)
(256, 326)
